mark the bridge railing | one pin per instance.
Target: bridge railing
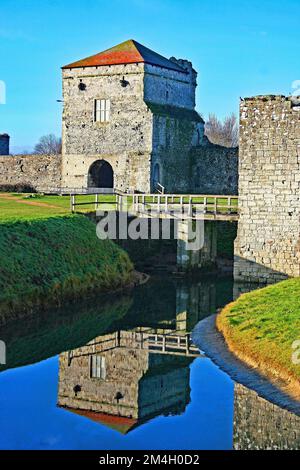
(160, 188)
(92, 200)
(68, 191)
(209, 205)
(160, 343)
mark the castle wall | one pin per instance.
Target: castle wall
(213, 170)
(125, 141)
(261, 425)
(37, 171)
(267, 247)
(131, 170)
(169, 87)
(172, 142)
(171, 97)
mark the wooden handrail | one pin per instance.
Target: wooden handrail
(210, 204)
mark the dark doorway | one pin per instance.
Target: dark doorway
(101, 175)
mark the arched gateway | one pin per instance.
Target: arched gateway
(101, 175)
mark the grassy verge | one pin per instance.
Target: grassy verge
(47, 261)
(16, 206)
(49, 333)
(261, 328)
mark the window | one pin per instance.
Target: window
(98, 370)
(102, 110)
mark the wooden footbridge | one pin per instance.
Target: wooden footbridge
(196, 243)
(181, 206)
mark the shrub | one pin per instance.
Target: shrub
(17, 188)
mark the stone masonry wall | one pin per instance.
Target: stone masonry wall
(172, 142)
(169, 87)
(267, 247)
(37, 171)
(170, 96)
(125, 141)
(214, 170)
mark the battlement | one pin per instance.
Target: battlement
(264, 101)
(271, 98)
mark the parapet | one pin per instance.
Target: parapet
(294, 100)
(186, 65)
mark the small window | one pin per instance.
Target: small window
(98, 369)
(102, 110)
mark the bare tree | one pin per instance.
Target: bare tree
(224, 133)
(48, 145)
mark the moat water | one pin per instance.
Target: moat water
(123, 373)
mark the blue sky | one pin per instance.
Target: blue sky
(238, 47)
(32, 420)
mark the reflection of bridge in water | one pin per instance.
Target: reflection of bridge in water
(142, 338)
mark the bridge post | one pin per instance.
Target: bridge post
(72, 203)
(200, 258)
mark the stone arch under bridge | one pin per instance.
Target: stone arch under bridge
(101, 175)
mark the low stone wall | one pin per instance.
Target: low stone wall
(214, 170)
(42, 171)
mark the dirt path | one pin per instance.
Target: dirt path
(29, 203)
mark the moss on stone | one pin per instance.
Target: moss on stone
(174, 112)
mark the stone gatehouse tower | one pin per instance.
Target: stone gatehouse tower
(129, 120)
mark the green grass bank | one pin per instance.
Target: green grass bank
(261, 328)
(48, 261)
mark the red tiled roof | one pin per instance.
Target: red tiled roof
(119, 423)
(128, 52)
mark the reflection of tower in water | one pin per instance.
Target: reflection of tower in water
(259, 424)
(124, 378)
